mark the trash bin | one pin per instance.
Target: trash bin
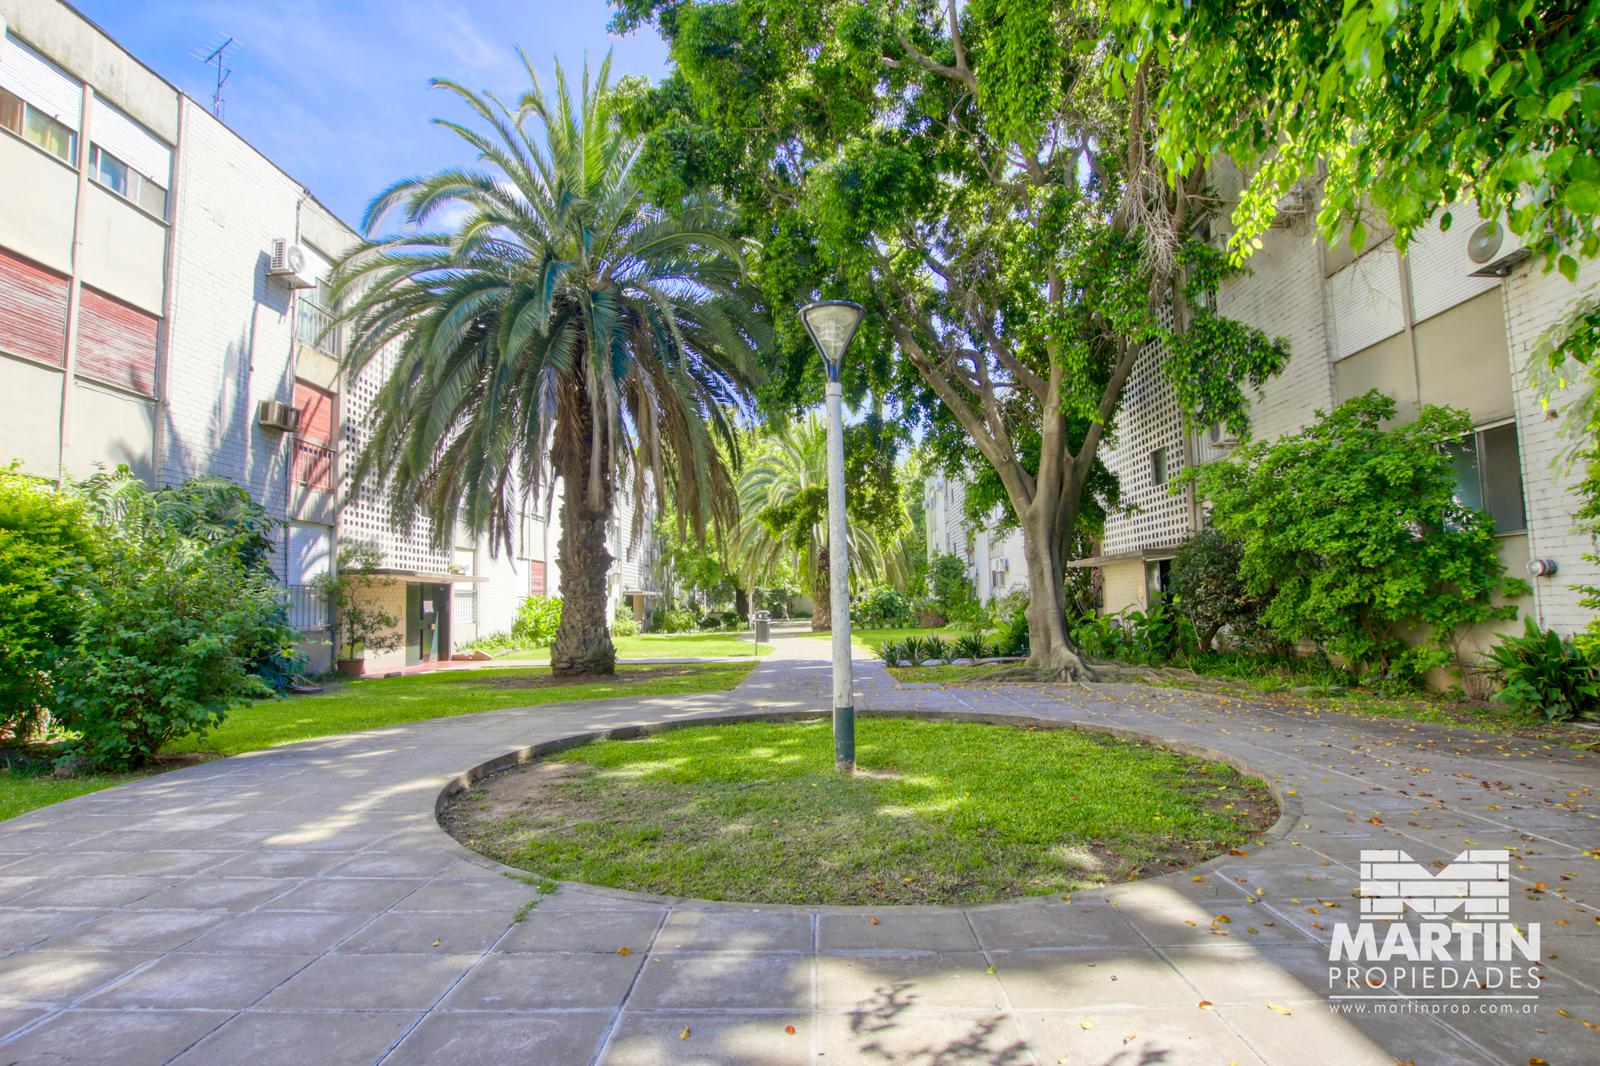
(762, 620)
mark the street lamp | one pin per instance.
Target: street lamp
(832, 325)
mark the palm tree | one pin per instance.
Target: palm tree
(783, 506)
(558, 327)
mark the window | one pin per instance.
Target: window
(111, 172)
(1489, 476)
(1157, 580)
(36, 127)
(1158, 467)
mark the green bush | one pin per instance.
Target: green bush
(1100, 636)
(493, 642)
(676, 620)
(949, 592)
(1011, 631)
(1352, 537)
(537, 621)
(1209, 591)
(622, 623)
(164, 649)
(1548, 673)
(884, 607)
(968, 646)
(1153, 635)
(48, 546)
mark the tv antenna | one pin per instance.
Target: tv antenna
(216, 55)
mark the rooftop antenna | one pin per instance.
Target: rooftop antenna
(217, 56)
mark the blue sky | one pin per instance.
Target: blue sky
(336, 91)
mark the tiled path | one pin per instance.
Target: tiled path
(302, 906)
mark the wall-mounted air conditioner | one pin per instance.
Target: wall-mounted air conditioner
(277, 416)
(291, 264)
(1220, 436)
(1495, 250)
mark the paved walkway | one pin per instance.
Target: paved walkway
(301, 905)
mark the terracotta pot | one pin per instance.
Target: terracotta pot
(352, 667)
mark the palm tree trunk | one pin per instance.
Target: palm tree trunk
(583, 640)
(821, 601)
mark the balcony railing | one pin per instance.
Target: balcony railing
(313, 466)
(313, 326)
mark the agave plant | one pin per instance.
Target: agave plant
(929, 648)
(889, 651)
(968, 646)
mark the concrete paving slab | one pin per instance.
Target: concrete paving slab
(701, 1039)
(502, 1036)
(545, 982)
(212, 982)
(279, 1038)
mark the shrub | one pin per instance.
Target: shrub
(967, 646)
(164, 649)
(493, 642)
(676, 620)
(1011, 633)
(1548, 673)
(1100, 636)
(883, 607)
(622, 623)
(48, 546)
(949, 592)
(1352, 536)
(889, 651)
(537, 621)
(1208, 588)
(360, 625)
(1153, 635)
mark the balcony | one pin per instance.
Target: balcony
(313, 327)
(309, 608)
(313, 466)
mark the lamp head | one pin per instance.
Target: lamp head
(832, 325)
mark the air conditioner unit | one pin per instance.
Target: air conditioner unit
(1494, 249)
(1220, 436)
(291, 264)
(278, 416)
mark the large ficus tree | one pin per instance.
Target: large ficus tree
(984, 180)
(1402, 107)
(555, 324)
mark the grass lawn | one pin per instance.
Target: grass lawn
(871, 638)
(945, 812)
(356, 705)
(21, 792)
(661, 646)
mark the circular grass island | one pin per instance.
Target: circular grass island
(941, 812)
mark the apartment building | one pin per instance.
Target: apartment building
(1453, 320)
(164, 305)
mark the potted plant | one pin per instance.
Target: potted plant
(359, 625)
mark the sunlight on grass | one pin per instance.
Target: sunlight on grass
(953, 812)
(664, 646)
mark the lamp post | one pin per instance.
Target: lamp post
(832, 324)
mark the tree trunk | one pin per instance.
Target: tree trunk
(1049, 647)
(583, 640)
(821, 595)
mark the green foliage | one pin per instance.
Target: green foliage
(1099, 635)
(48, 548)
(1011, 630)
(360, 623)
(968, 646)
(976, 176)
(1352, 536)
(949, 591)
(164, 649)
(537, 620)
(882, 607)
(1209, 590)
(1408, 107)
(1547, 673)
(676, 620)
(622, 623)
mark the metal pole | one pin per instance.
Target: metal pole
(844, 712)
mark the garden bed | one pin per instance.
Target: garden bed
(944, 812)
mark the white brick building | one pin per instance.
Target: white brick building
(142, 321)
(1430, 326)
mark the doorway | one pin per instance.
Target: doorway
(427, 623)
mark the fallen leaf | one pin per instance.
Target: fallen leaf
(1128, 1037)
(789, 1029)
(436, 943)
(624, 951)
(1086, 1024)
(685, 1034)
(989, 970)
(1278, 1008)
(1206, 1004)
(874, 921)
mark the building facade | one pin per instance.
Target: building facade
(1434, 325)
(164, 306)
